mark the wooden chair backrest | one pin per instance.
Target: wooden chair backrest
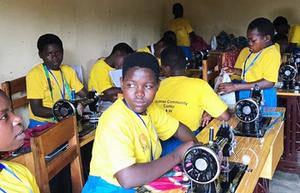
(210, 67)
(48, 141)
(13, 87)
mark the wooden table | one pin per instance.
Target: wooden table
(291, 101)
(264, 154)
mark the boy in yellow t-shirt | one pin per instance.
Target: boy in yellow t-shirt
(168, 39)
(99, 76)
(186, 98)
(182, 28)
(126, 151)
(13, 177)
(257, 64)
(50, 81)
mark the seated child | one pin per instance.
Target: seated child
(99, 75)
(185, 98)
(168, 39)
(14, 177)
(50, 81)
(257, 64)
(126, 151)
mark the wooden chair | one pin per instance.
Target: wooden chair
(48, 141)
(210, 67)
(16, 91)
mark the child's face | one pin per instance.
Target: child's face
(11, 131)
(256, 41)
(139, 87)
(119, 60)
(52, 56)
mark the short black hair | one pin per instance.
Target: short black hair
(177, 10)
(169, 39)
(263, 25)
(173, 57)
(142, 60)
(47, 39)
(280, 20)
(123, 48)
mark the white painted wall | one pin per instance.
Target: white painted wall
(233, 16)
(89, 29)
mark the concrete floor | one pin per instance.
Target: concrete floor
(285, 183)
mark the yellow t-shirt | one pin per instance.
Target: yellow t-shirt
(37, 86)
(147, 50)
(181, 27)
(11, 184)
(265, 67)
(294, 36)
(99, 77)
(186, 98)
(122, 139)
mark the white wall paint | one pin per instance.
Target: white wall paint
(233, 16)
(89, 29)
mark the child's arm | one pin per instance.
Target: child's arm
(230, 87)
(140, 174)
(185, 134)
(111, 94)
(39, 110)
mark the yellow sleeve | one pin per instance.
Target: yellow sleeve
(35, 84)
(213, 104)
(188, 26)
(112, 135)
(295, 34)
(241, 58)
(99, 78)
(165, 124)
(271, 61)
(72, 78)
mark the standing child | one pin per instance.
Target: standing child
(13, 177)
(126, 151)
(50, 81)
(257, 64)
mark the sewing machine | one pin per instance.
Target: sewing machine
(207, 166)
(249, 113)
(64, 108)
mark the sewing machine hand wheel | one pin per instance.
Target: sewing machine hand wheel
(201, 164)
(62, 109)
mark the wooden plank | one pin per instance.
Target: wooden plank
(61, 132)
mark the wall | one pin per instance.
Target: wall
(233, 16)
(89, 29)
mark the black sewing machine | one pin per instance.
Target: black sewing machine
(249, 113)
(208, 168)
(288, 72)
(64, 108)
(196, 61)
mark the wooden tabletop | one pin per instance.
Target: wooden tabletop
(281, 92)
(264, 153)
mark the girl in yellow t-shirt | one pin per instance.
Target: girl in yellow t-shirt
(257, 64)
(13, 177)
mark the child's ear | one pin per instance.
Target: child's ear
(267, 38)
